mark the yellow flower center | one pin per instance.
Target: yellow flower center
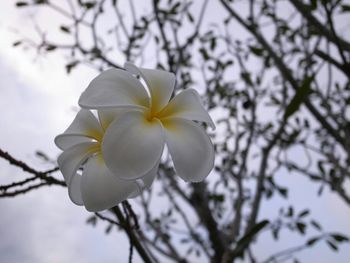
(150, 115)
(97, 137)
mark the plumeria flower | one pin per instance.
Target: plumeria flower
(142, 119)
(95, 187)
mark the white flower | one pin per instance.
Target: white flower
(95, 187)
(119, 152)
(143, 120)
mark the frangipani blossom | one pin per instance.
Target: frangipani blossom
(145, 119)
(96, 187)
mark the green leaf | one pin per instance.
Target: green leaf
(17, 43)
(320, 167)
(92, 220)
(217, 197)
(316, 225)
(190, 17)
(256, 50)
(290, 212)
(108, 229)
(301, 227)
(213, 43)
(312, 241)
(204, 53)
(304, 213)
(332, 245)
(345, 8)
(41, 2)
(50, 48)
(87, 5)
(21, 4)
(246, 77)
(340, 238)
(65, 29)
(315, 177)
(283, 191)
(275, 233)
(313, 4)
(71, 65)
(301, 94)
(174, 9)
(245, 240)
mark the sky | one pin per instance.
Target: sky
(38, 101)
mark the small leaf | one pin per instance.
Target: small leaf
(71, 65)
(283, 192)
(314, 177)
(41, 2)
(290, 212)
(174, 9)
(345, 8)
(304, 213)
(246, 77)
(312, 241)
(89, 5)
(50, 48)
(42, 155)
(275, 233)
(320, 190)
(65, 29)
(332, 245)
(108, 229)
(252, 233)
(300, 95)
(316, 225)
(301, 227)
(92, 220)
(190, 17)
(340, 238)
(17, 43)
(217, 197)
(256, 50)
(204, 53)
(213, 43)
(313, 4)
(320, 167)
(21, 4)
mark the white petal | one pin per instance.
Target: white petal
(190, 148)
(132, 145)
(70, 160)
(187, 105)
(100, 189)
(84, 127)
(74, 190)
(145, 182)
(107, 116)
(160, 84)
(114, 88)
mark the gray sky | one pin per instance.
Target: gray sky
(36, 101)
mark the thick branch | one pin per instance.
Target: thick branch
(201, 204)
(134, 239)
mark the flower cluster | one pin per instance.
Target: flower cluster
(114, 156)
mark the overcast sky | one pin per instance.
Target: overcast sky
(37, 101)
